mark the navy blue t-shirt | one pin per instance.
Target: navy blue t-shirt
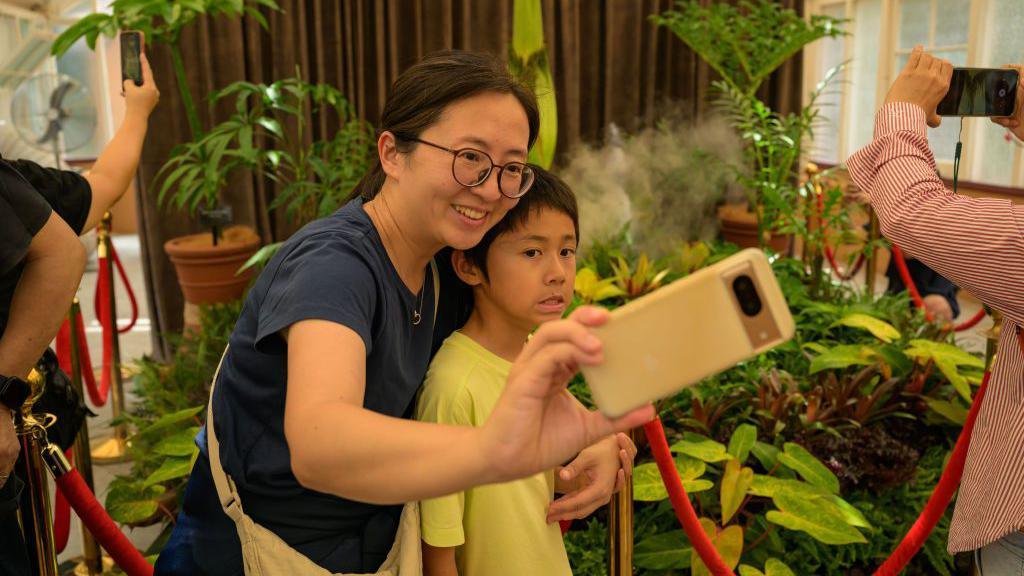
(334, 269)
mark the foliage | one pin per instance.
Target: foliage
(528, 61)
(314, 177)
(172, 399)
(740, 507)
(858, 401)
(745, 43)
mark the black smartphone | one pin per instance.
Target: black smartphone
(980, 92)
(131, 56)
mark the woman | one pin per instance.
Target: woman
(311, 401)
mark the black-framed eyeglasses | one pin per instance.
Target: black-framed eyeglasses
(472, 167)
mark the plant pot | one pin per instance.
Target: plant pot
(207, 273)
(739, 225)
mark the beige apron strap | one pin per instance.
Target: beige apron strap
(226, 493)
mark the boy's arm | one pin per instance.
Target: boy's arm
(439, 561)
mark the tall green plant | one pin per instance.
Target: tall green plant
(528, 61)
(162, 22)
(314, 176)
(745, 43)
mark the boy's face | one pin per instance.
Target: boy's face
(531, 270)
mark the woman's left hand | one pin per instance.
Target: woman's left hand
(596, 474)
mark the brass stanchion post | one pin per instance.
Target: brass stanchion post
(35, 515)
(116, 448)
(92, 561)
(620, 527)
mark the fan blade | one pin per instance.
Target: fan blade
(51, 132)
(57, 97)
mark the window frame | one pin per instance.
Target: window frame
(888, 52)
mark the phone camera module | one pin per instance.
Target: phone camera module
(746, 295)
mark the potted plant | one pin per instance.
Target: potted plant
(744, 44)
(313, 178)
(206, 263)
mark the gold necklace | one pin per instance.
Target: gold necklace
(419, 306)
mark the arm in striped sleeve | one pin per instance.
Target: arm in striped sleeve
(978, 243)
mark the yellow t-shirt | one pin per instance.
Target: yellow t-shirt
(498, 529)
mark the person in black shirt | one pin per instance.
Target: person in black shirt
(42, 213)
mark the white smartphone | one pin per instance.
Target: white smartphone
(693, 328)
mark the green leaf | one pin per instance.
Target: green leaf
(879, 328)
(770, 486)
(948, 368)
(928, 349)
(742, 441)
(180, 443)
(842, 356)
(766, 454)
(950, 410)
(736, 482)
(799, 460)
(648, 486)
(850, 513)
(728, 543)
(271, 125)
(775, 567)
(93, 23)
(746, 570)
(896, 359)
(171, 469)
(820, 521)
(668, 551)
(128, 502)
(173, 419)
(261, 257)
(701, 448)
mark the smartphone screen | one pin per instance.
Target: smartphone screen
(131, 51)
(980, 92)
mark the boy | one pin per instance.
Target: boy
(522, 274)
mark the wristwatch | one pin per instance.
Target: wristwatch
(13, 392)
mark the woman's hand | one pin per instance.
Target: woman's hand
(924, 81)
(537, 424)
(593, 477)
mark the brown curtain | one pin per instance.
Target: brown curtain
(610, 64)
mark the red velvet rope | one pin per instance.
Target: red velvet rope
(103, 286)
(940, 497)
(98, 396)
(908, 281)
(101, 526)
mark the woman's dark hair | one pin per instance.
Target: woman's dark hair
(420, 95)
(547, 192)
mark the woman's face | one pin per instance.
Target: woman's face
(459, 216)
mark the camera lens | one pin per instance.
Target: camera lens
(747, 296)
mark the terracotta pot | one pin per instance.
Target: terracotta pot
(740, 228)
(207, 273)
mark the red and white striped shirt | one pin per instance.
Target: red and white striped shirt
(978, 243)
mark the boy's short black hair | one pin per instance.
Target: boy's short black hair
(547, 191)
